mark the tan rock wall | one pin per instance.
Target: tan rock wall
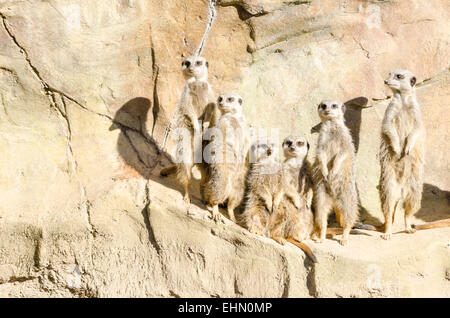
(88, 87)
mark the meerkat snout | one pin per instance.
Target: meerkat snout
(401, 80)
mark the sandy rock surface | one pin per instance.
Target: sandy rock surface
(88, 88)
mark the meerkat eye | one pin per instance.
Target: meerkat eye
(198, 63)
(230, 99)
(323, 106)
(187, 63)
(220, 99)
(288, 143)
(300, 144)
(399, 76)
(334, 106)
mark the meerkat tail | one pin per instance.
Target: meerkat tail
(338, 230)
(368, 227)
(432, 225)
(168, 171)
(334, 231)
(305, 248)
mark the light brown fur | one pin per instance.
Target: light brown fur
(264, 191)
(196, 103)
(334, 172)
(227, 169)
(294, 220)
(401, 151)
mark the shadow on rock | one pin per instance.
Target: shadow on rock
(435, 204)
(140, 153)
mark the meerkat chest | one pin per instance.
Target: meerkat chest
(403, 121)
(290, 176)
(266, 177)
(198, 91)
(332, 139)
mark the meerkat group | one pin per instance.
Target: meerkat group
(291, 201)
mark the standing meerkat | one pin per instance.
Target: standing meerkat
(264, 191)
(401, 151)
(334, 171)
(226, 172)
(294, 220)
(196, 103)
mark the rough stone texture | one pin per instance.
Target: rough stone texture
(88, 88)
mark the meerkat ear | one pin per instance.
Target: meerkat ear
(240, 101)
(343, 108)
(207, 64)
(307, 145)
(413, 81)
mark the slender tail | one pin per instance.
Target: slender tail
(368, 227)
(432, 225)
(168, 171)
(305, 248)
(338, 230)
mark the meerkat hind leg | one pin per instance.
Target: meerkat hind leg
(410, 209)
(215, 214)
(323, 208)
(389, 219)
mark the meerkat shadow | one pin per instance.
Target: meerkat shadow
(140, 155)
(435, 204)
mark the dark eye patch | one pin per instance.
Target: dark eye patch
(220, 99)
(186, 63)
(300, 144)
(288, 143)
(230, 99)
(323, 106)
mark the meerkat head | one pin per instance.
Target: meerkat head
(331, 109)
(295, 147)
(262, 149)
(195, 66)
(230, 103)
(401, 80)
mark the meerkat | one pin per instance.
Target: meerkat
(294, 220)
(401, 151)
(264, 190)
(334, 171)
(196, 103)
(226, 173)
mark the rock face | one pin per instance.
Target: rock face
(88, 88)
